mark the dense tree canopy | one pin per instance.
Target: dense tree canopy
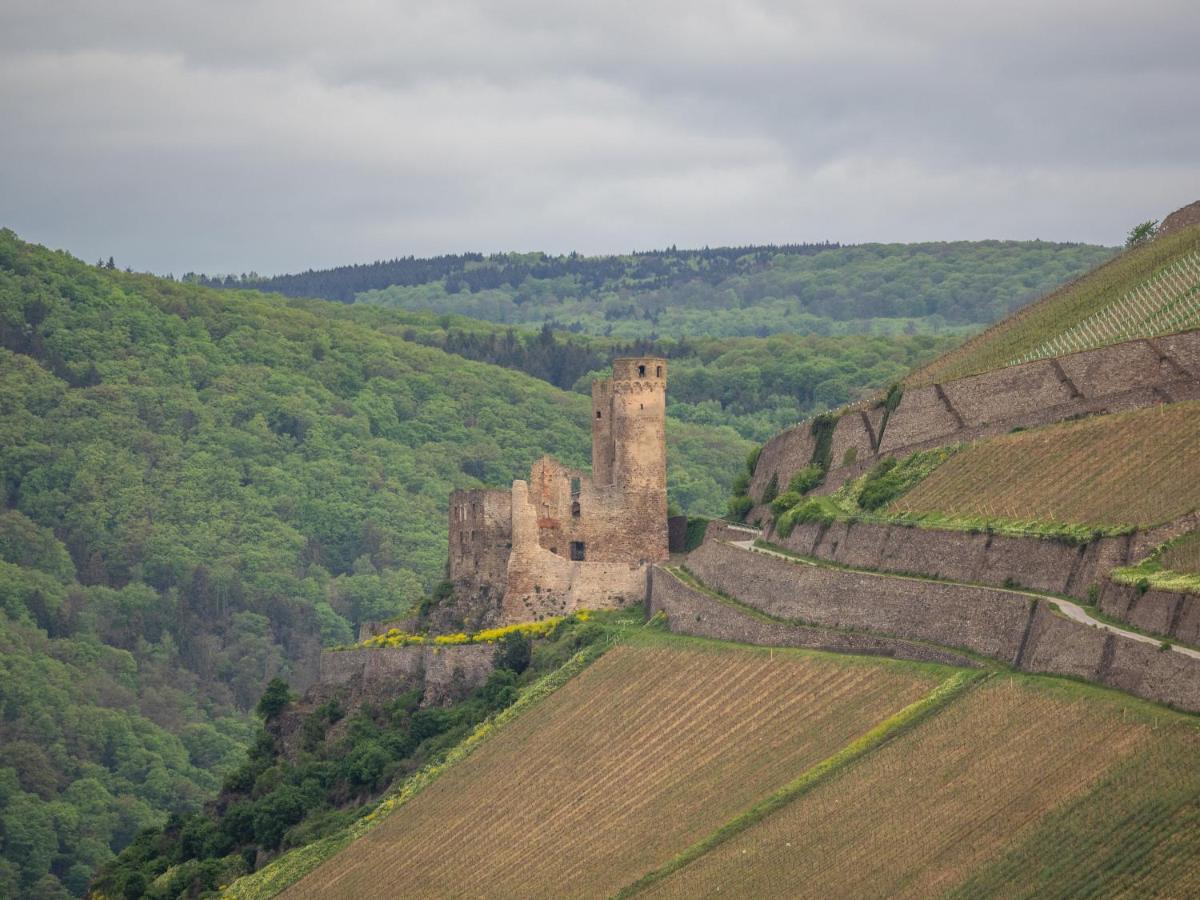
(870, 288)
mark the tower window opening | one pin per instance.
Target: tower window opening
(658, 371)
(577, 551)
(641, 371)
(575, 510)
(597, 414)
(576, 487)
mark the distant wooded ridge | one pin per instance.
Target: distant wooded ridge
(476, 271)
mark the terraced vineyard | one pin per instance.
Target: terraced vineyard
(1127, 469)
(1022, 787)
(1167, 302)
(1137, 287)
(645, 752)
(1184, 554)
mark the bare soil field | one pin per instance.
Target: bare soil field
(1128, 469)
(1020, 788)
(632, 761)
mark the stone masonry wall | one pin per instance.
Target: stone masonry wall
(1043, 564)
(1000, 624)
(984, 620)
(1125, 376)
(694, 612)
(446, 673)
(1173, 615)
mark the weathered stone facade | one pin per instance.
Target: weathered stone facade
(566, 540)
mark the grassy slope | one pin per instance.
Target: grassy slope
(1024, 787)
(1133, 468)
(1058, 310)
(649, 750)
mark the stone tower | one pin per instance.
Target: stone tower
(629, 444)
(566, 540)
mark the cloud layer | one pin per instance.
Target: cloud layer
(228, 136)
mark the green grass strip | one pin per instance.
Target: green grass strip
(909, 717)
(295, 864)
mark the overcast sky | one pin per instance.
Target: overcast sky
(279, 135)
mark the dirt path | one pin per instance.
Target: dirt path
(1068, 608)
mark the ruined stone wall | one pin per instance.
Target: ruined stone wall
(446, 674)
(480, 536)
(542, 583)
(1125, 376)
(980, 619)
(1043, 564)
(693, 612)
(1003, 625)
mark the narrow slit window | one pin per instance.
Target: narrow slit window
(658, 371)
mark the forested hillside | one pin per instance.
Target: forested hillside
(200, 489)
(756, 385)
(749, 291)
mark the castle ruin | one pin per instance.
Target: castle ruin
(565, 540)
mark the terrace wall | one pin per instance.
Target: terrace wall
(1004, 625)
(1042, 564)
(694, 612)
(1124, 376)
(1173, 615)
(987, 621)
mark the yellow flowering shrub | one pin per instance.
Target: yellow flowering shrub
(394, 637)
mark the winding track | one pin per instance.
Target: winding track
(1068, 608)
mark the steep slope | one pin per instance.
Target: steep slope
(1021, 788)
(1150, 290)
(674, 768)
(1124, 470)
(646, 752)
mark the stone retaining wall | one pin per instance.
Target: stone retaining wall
(1003, 625)
(447, 674)
(1042, 564)
(694, 612)
(1124, 376)
(1173, 615)
(984, 620)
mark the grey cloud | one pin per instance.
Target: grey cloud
(224, 136)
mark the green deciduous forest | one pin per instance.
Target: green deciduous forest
(751, 291)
